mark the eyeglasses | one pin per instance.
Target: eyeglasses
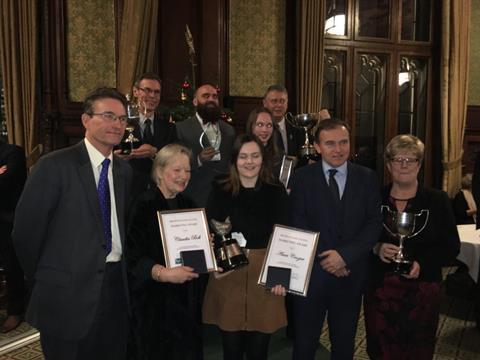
(110, 117)
(404, 161)
(261, 125)
(149, 91)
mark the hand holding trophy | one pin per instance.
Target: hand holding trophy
(402, 225)
(130, 142)
(228, 253)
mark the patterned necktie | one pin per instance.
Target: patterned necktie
(333, 186)
(104, 199)
(147, 132)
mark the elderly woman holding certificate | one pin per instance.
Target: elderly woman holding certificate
(402, 302)
(246, 312)
(166, 301)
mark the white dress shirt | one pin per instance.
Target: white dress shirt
(96, 159)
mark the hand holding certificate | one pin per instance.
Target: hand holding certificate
(292, 250)
(185, 239)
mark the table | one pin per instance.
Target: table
(469, 248)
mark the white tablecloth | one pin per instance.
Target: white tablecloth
(470, 248)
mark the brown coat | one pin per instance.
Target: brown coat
(236, 302)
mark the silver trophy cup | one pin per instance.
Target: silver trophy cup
(403, 225)
(305, 122)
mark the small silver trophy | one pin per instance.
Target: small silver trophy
(305, 122)
(402, 225)
(130, 142)
(228, 253)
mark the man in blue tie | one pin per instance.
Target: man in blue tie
(69, 236)
(153, 130)
(340, 200)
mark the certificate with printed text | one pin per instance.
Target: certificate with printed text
(293, 249)
(185, 230)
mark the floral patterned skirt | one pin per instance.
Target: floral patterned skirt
(401, 318)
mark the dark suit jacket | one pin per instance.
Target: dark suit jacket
(295, 139)
(163, 134)
(189, 132)
(11, 181)
(59, 240)
(354, 234)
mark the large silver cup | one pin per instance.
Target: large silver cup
(402, 225)
(305, 122)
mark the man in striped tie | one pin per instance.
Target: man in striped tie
(69, 236)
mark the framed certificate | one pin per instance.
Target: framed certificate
(288, 163)
(292, 249)
(185, 231)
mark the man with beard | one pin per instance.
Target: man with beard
(153, 131)
(211, 141)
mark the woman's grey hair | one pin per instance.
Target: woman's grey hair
(404, 143)
(165, 155)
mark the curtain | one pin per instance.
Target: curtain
(454, 85)
(138, 38)
(18, 60)
(311, 25)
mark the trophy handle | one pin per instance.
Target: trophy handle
(289, 117)
(202, 143)
(424, 211)
(383, 207)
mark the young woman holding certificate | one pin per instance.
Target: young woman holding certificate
(166, 302)
(246, 312)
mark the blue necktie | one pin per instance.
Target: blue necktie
(104, 198)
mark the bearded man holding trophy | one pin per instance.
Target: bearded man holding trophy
(402, 302)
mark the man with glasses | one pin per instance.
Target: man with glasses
(153, 131)
(289, 138)
(69, 234)
(211, 141)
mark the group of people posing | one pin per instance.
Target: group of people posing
(86, 226)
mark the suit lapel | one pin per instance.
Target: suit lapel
(87, 179)
(349, 194)
(119, 193)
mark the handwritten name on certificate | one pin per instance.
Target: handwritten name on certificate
(185, 230)
(293, 249)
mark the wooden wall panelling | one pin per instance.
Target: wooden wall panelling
(60, 116)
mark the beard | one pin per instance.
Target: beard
(209, 112)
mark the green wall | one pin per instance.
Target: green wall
(474, 76)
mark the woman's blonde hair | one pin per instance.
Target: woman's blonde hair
(165, 155)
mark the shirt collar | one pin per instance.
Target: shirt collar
(96, 157)
(143, 118)
(342, 169)
(199, 118)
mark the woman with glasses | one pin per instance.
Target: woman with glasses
(402, 310)
(260, 124)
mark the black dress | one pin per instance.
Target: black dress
(401, 315)
(166, 317)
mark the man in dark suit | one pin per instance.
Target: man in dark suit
(211, 141)
(69, 234)
(13, 173)
(340, 200)
(290, 139)
(153, 131)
